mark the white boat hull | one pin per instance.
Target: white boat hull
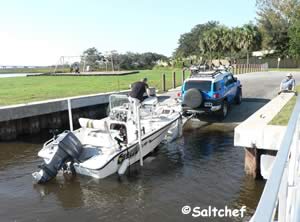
(103, 147)
(132, 153)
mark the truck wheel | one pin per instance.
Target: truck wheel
(224, 110)
(238, 97)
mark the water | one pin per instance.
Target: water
(15, 75)
(200, 169)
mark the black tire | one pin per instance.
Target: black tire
(223, 112)
(192, 98)
(239, 96)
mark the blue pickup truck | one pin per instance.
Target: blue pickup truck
(210, 92)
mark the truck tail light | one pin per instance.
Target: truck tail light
(179, 94)
(216, 95)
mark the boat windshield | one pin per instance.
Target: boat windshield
(118, 101)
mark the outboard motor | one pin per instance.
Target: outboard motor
(67, 147)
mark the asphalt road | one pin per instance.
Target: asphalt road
(258, 89)
(263, 85)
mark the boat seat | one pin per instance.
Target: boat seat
(150, 101)
(98, 139)
(94, 124)
(96, 133)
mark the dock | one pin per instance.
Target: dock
(272, 153)
(280, 199)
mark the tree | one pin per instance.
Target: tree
(92, 57)
(188, 43)
(210, 43)
(294, 39)
(227, 41)
(216, 41)
(274, 20)
(130, 60)
(247, 38)
(294, 36)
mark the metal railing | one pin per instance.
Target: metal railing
(281, 196)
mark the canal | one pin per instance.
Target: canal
(202, 168)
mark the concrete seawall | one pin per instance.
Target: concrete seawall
(82, 74)
(32, 118)
(258, 138)
(12, 129)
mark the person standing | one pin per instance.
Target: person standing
(138, 89)
(136, 96)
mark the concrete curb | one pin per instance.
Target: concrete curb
(255, 131)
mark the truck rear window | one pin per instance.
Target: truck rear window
(217, 86)
(201, 85)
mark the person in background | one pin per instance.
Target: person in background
(138, 89)
(77, 69)
(288, 84)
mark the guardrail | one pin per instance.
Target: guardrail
(281, 195)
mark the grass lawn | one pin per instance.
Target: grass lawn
(282, 118)
(28, 89)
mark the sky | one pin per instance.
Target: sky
(38, 32)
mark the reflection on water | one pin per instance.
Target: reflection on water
(200, 169)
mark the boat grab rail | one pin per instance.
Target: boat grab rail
(48, 142)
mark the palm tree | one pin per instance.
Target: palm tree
(209, 43)
(226, 39)
(247, 38)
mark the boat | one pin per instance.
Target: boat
(100, 148)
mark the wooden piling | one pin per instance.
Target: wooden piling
(252, 162)
(163, 82)
(174, 80)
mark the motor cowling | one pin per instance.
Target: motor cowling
(69, 148)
